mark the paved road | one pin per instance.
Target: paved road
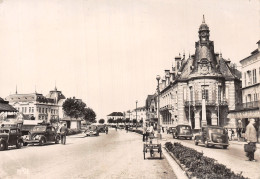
(233, 157)
(116, 155)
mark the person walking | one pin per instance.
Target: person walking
(63, 133)
(251, 138)
(106, 129)
(144, 132)
(126, 127)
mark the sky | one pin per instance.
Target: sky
(109, 52)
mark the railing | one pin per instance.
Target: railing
(208, 102)
(249, 105)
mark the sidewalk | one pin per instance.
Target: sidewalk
(242, 143)
(237, 163)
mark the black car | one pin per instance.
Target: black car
(182, 131)
(42, 134)
(10, 136)
(211, 136)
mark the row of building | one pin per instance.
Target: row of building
(231, 95)
(36, 106)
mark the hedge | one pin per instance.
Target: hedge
(200, 166)
(74, 131)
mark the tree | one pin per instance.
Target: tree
(110, 120)
(127, 120)
(89, 115)
(73, 108)
(101, 121)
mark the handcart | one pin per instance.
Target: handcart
(152, 145)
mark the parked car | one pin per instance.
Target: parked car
(211, 136)
(92, 130)
(42, 134)
(182, 131)
(169, 130)
(10, 136)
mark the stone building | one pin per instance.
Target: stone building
(250, 91)
(204, 74)
(38, 107)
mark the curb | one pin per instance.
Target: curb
(176, 167)
(242, 143)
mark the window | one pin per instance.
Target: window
(219, 93)
(46, 110)
(254, 76)
(40, 110)
(249, 98)
(245, 78)
(32, 109)
(191, 93)
(205, 92)
(25, 109)
(29, 109)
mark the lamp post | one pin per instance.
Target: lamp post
(158, 90)
(136, 112)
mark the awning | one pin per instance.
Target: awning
(244, 114)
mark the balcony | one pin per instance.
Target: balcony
(249, 105)
(208, 103)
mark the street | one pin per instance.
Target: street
(233, 157)
(115, 155)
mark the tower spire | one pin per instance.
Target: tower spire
(203, 20)
(55, 86)
(16, 89)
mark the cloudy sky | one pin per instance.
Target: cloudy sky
(108, 52)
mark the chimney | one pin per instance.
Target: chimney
(177, 63)
(163, 83)
(167, 77)
(258, 45)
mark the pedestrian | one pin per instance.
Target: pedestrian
(106, 129)
(63, 133)
(251, 137)
(144, 132)
(116, 128)
(126, 127)
(162, 129)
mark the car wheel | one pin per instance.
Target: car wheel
(2, 145)
(41, 142)
(206, 144)
(196, 143)
(25, 144)
(57, 140)
(225, 146)
(19, 144)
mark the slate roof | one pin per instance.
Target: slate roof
(31, 97)
(5, 107)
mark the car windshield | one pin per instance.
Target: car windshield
(39, 128)
(92, 127)
(216, 130)
(5, 131)
(184, 129)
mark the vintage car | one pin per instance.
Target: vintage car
(42, 134)
(92, 130)
(182, 131)
(169, 130)
(10, 136)
(211, 136)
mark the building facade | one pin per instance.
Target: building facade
(250, 91)
(203, 75)
(36, 106)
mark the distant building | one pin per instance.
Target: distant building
(250, 91)
(203, 75)
(38, 107)
(140, 112)
(115, 116)
(151, 108)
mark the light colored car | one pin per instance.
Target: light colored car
(92, 130)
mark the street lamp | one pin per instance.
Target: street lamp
(136, 112)
(158, 90)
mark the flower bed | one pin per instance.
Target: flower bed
(197, 165)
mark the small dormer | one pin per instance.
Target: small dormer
(177, 63)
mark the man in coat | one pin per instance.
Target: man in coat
(251, 137)
(63, 133)
(144, 132)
